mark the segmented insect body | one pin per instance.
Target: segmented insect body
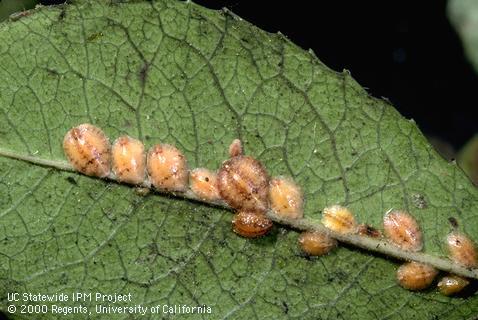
(129, 160)
(403, 230)
(243, 184)
(251, 224)
(462, 250)
(203, 183)
(286, 198)
(167, 168)
(416, 276)
(88, 150)
(452, 284)
(316, 243)
(339, 219)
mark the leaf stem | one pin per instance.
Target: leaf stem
(57, 164)
(377, 245)
(364, 242)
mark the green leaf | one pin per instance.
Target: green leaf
(177, 73)
(15, 8)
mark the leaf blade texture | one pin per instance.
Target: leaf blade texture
(176, 73)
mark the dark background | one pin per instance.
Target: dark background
(405, 51)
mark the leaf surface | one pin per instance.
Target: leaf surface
(177, 73)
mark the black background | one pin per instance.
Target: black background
(405, 51)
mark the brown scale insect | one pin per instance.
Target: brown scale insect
(369, 231)
(88, 150)
(129, 160)
(462, 250)
(251, 224)
(415, 276)
(452, 284)
(243, 184)
(403, 230)
(315, 243)
(339, 219)
(167, 168)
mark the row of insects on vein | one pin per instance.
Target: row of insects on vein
(243, 183)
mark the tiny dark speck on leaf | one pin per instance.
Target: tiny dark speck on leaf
(95, 36)
(52, 72)
(453, 222)
(72, 181)
(286, 307)
(62, 14)
(143, 73)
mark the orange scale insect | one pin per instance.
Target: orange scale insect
(403, 230)
(416, 276)
(203, 183)
(339, 219)
(316, 243)
(462, 250)
(129, 160)
(251, 224)
(88, 150)
(452, 284)
(167, 168)
(286, 198)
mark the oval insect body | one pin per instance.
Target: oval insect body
(243, 184)
(403, 230)
(251, 224)
(128, 160)
(316, 243)
(88, 150)
(452, 284)
(286, 198)
(339, 219)
(416, 276)
(203, 183)
(462, 250)
(167, 168)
